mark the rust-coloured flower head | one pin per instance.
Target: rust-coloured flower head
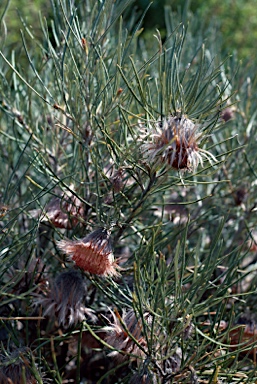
(175, 141)
(66, 299)
(16, 367)
(93, 253)
(120, 335)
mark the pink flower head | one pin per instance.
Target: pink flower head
(174, 141)
(93, 253)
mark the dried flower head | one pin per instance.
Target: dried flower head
(64, 212)
(122, 333)
(33, 276)
(246, 334)
(240, 196)
(93, 253)
(66, 299)
(117, 180)
(143, 377)
(228, 113)
(174, 140)
(16, 368)
(173, 363)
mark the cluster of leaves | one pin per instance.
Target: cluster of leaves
(71, 122)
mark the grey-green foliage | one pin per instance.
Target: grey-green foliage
(70, 119)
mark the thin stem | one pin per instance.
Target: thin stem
(135, 210)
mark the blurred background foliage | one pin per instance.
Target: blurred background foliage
(235, 20)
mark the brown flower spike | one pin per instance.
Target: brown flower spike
(93, 253)
(174, 141)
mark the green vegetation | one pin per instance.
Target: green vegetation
(128, 204)
(236, 20)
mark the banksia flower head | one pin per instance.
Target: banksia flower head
(174, 141)
(66, 299)
(93, 253)
(16, 368)
(65, 212)
(120, 335)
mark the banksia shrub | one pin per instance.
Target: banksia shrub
(127, 200)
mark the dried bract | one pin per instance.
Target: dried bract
(117, 180)
(175, 141)
(240, 196)
(173, 363)
(93, 253)
(142, 378)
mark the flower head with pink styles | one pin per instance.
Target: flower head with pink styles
(175, 141)
(93, 253)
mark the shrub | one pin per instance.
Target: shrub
(136, 158)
